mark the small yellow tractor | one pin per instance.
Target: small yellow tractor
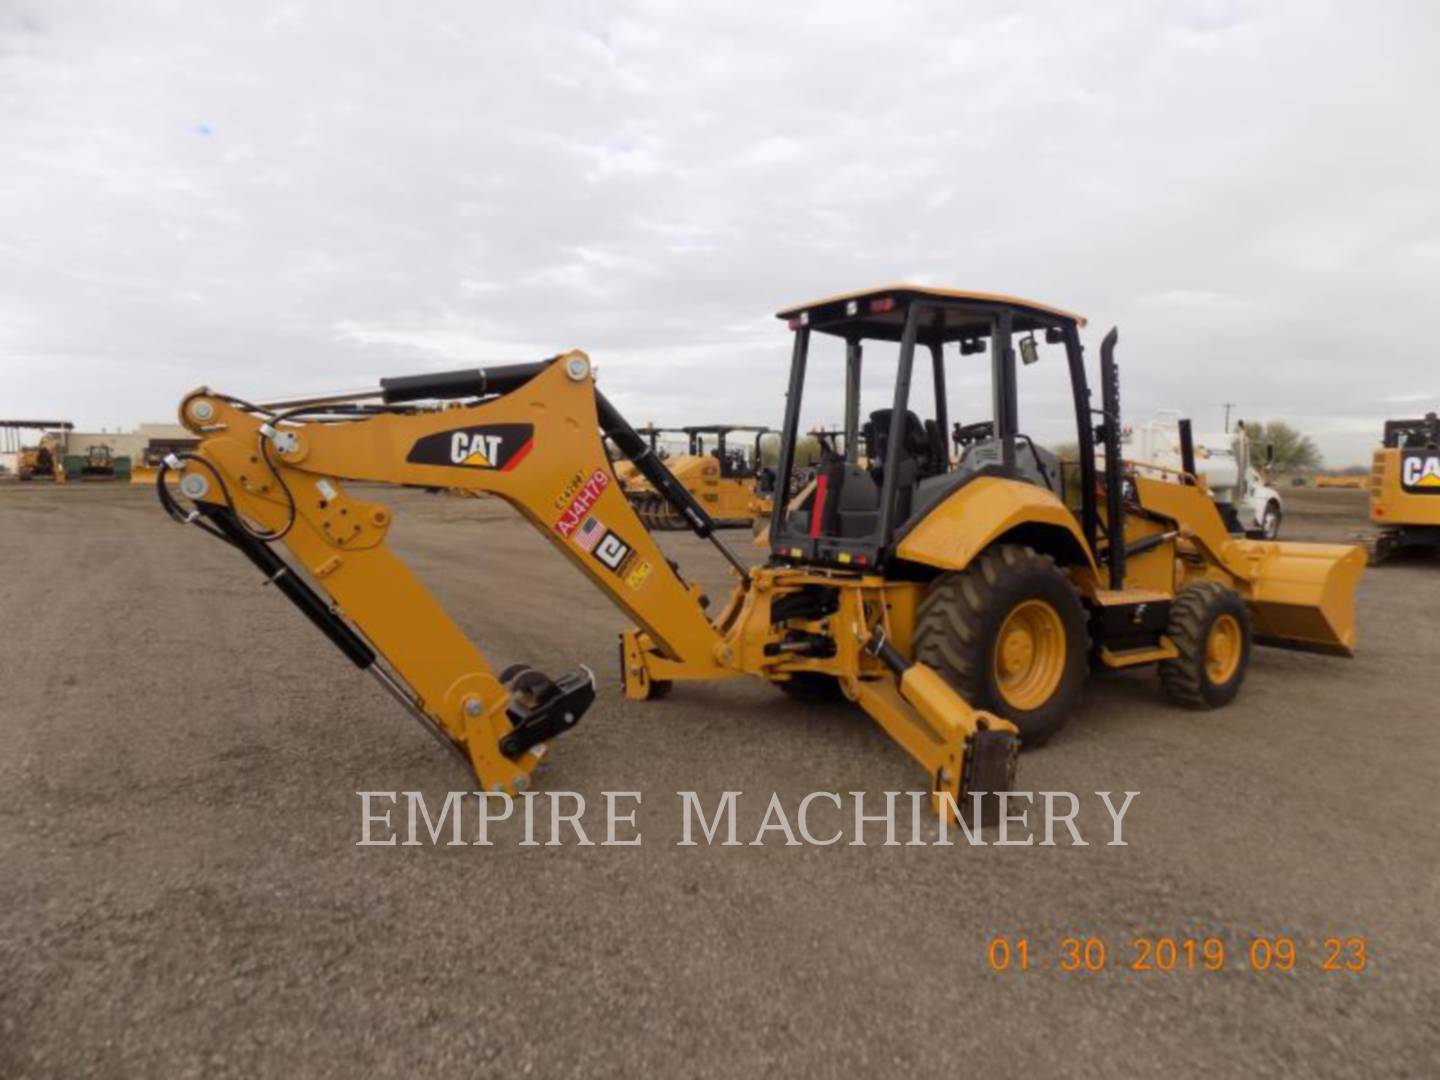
(1405, 489)
(98, 462)
(960, 603)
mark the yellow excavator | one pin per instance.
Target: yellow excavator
(1405, 489)
(722, 477)
(45, 459)
(40, 462)
(961, 604)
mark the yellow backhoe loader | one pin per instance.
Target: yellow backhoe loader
(722, 477)
(1405, 489)
(959, 603)
(624, 468)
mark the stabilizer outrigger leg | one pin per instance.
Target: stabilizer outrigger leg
(972, 755)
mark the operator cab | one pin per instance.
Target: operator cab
(742, 462)
(928, 378)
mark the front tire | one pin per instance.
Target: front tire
(1210, 626)
(1009, 634)
(1270, 523)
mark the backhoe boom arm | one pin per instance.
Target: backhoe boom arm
(263, 476)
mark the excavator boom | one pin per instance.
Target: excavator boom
(265, 476)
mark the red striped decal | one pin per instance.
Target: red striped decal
(519, 455)
(818, 509)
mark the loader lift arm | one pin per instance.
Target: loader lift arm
(530, 434)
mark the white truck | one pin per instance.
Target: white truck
(1246, 501)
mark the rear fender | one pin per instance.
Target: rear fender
(992, 509)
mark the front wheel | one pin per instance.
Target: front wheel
(1009, 634)
(1210, 627)
(1270, 522)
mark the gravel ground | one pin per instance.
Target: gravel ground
(181, 892)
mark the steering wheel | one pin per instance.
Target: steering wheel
(969, 434)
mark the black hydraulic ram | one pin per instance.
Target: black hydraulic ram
(637, 450)
(278, 573)
(471, 382)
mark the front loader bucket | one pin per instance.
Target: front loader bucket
(1302, 596)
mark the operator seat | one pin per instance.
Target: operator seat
(917, 445)
(921, 455)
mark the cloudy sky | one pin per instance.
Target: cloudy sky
(273, 198)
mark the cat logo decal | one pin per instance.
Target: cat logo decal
(498, 447)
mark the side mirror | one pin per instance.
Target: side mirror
(1029, 351)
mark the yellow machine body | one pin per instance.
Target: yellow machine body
(540, 451)
(146, 473)
(1300, 595)
(1405, 487)
(44, 461)
(1404, 493)
(263, 478)
(1339, 480)
(729, 500)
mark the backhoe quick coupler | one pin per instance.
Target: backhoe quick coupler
(541, 708)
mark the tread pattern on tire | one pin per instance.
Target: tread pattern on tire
(949, 621)
(1183, 679)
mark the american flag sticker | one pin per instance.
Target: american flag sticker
(589, 534)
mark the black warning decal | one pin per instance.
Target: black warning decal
(487, 446)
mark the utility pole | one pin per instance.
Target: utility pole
(1228, 406)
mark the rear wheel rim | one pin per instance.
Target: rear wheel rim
(1223, 647)
(1030, 653)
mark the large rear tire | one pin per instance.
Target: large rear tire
(1210, 626)
(1009, 634)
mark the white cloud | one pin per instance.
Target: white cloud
(295, 196)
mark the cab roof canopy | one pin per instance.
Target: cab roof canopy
(720, 429)
(880, 313)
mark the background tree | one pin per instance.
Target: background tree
(1294, 452)
(807, 451)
